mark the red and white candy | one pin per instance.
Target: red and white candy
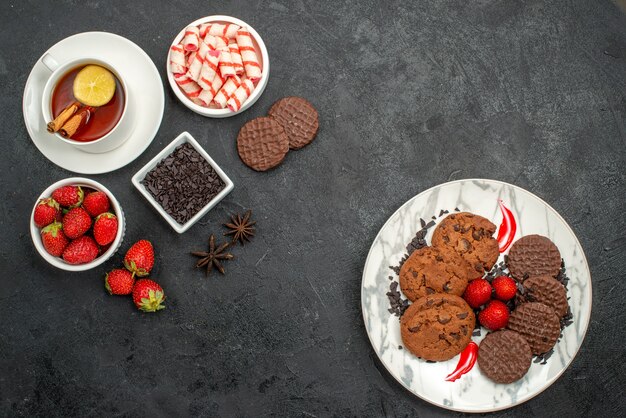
(188, 85)
(227, 90)
(191, 38)
(240, 95)
(209, 69)
(248, 54)
(235, 56)
(209, 61)
(177, 59)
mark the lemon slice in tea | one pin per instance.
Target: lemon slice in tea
(94, 86)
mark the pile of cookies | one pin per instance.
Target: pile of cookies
(535, 324)
(263, 143)
(439, 323)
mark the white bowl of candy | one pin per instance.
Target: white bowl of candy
(218, 66)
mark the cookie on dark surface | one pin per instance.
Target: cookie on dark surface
(546, 290)
(430, 270)
(470, 236)
(437, 327)
(534, 255)
(299, 119)
(262, 143)
(538, 324)
(504, 356)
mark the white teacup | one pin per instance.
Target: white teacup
(116, 136)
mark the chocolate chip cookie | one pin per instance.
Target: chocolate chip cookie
(470, 236)
(534, 255)
(437, 327)
(504, 356)
(430, 270)
(538, 324)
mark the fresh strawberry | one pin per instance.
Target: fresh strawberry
(68, 196)
(477, 293)
(105, 228)
(139, 258)
(76, 222)
(494, 316)
(148, 295)
(46, 212)
(53, 239)
(96, 203)
(80, 251)
(119, 282)
(505, 287)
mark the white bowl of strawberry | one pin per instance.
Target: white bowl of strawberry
(77, 224)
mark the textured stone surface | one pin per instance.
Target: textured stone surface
(410, 95)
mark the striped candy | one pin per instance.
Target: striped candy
(188, 85)
(240, 95)
(235, 55)
(207, 95)
(177, 59)
(209, 69)
(226, 91)
(196, 64)
(190, 40)
(248, 55)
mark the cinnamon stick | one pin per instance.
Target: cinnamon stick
(63, 117)
(76, 122)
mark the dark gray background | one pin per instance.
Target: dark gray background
(410, 94)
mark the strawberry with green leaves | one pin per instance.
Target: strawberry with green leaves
(148, 296)
(119, 282)
(139, 258)
(53, 239)
(105, 228)
(69, 196)
(46, 212)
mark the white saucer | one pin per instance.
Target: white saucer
(146, 101)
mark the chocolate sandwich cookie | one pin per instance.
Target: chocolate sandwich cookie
(546, 290)
(504, 356)
(437, 327)
(430, 270)
(262, 143)
(299, 119)
(534, 255)
(538, 324)
(470, 236)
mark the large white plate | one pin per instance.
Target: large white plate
(473, 392)
(146, 101)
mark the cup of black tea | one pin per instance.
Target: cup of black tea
(85, 104)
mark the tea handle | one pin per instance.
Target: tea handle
(49, 62)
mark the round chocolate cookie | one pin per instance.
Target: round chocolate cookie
(534, 255)
(470, 236)
(429, 270)
(546, 290)
(504, 356)
(299, 119)
(437, 327)
(538, 324)
(262, 143)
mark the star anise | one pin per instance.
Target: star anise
(212, 257)
(241, 228)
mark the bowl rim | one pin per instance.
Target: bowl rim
(58, 261)
(220, 113)
(183, 137)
